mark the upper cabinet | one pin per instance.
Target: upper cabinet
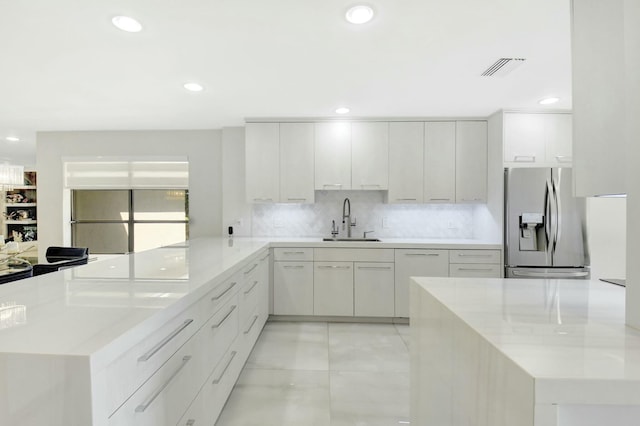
(440, 162)
(296, 162)
(471, 161)
(262, 171)
(370, 155)
(537, 139)
(599, 89)
(333, 155)
(406, 163)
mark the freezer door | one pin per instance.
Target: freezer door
(528, 207)
(569, 233)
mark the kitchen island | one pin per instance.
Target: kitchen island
(504, 352)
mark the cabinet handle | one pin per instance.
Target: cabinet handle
(439, 199)
(293, 252)
(263, 199)
(422, 254)
(294, 267)
(374, 267)
(475, 269)
(333, 267)
(331, 184)
(164, 341)
(255, 283)
(406, 199)
(564, 158)
(472, 199)
(255, 265)
(226, 367)
(524, 158)
(142, 407)
(190, 422)
(233, 308)
(474, 255)
(255, 318)
(264, 258)
(218, 297)
(296, 199)
(375, 185)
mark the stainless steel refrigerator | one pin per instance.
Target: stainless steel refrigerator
(545, 234)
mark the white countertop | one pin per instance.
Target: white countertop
(568, 335)
(425, 243)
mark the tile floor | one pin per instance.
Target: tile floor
(324, 374)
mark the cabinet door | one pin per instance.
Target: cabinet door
(406, 166)
(296, 163)
(524, 138)
(333, 288)
(440, 162)
(333, 155)
(262, 162)
(416, 263)
(293, 288)
(373, 289)
(558, 138)
(471, 161)
(370, 156)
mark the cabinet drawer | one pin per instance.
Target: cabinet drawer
(353, 255)
(219, 384)
(133, 368)
(195, 415)
(477, 270)
(474, 256)
(292, 254)
(217, 297)
(164, 398)
(251, 295)
(219, 333)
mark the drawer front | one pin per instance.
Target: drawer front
(353, 255)
(219, 384)
(220, 295)
(474, 256)
(133, 368)
(164, 398)
(292, 254)
(293, 288)
(252, 295)
(333, 288)
(374, 289)
(219, 333)
(474, 270)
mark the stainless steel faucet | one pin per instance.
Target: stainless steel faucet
(346, 214)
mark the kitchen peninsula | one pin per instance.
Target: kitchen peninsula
(505, 352)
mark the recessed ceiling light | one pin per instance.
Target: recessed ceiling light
(359, 14)
(548, 101)
(12, 139)
(127, 24)
(193, 87)
(342, 110)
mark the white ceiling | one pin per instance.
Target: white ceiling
(65, 67)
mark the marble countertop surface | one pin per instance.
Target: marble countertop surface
(429, 243)
(568, 335)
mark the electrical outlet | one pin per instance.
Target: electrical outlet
(385, 222)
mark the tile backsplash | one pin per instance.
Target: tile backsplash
(371, 213)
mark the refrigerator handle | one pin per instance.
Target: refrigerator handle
(548, 213)
(558, 215)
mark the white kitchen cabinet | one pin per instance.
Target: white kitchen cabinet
(406, 163)
(296, 162)
(262, 145)
(332, 155)
(474, 270)
(558, 136)
(374, 289)
(416, 263)
(333, 288)
(537, 139)
(293, 288)
(471, 161)
(370, 155)
(440, 162)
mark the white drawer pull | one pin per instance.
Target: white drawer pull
(226, 367)
(255, 318)
(564, 158)
(294, 267)
(374, 267)
(255, 283)
(263, 199)
(233, 308)
(375, 185)
(333, 267)
(474, 255)
(264, 258)
(164, 341)
(293, 252)
(406, 199)
(439, 199)
(524, 158)
(142, 407)
(218, 297)
(422, 254)
(255, 265)
(296, 199)
(332, 184)
(476, 269)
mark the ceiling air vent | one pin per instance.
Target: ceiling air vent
(503, 66)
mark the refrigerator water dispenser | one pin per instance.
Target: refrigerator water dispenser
(531, 226)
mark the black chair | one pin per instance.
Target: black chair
(16, 274)
(61, 258)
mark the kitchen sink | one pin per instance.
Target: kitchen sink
(357, 240)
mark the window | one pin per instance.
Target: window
(112, 221)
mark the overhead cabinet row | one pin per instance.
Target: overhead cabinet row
(415, 161)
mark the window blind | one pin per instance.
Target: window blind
(122, 174)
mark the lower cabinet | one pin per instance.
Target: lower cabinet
(373, 289)
(333, 288)
(293, 288)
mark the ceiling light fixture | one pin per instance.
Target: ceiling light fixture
(342, 110)
(127, 24)
(548, 101)
(12, 139)
(359, 14)
(193, 87)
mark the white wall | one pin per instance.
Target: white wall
(236, 211)
(203, 149)
(606, 232)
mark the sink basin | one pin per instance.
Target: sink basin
(357, 240)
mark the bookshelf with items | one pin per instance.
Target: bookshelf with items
(20, 215)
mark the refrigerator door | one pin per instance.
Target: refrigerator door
(568, 235)
(528, 211)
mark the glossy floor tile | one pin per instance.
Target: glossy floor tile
(324, 374)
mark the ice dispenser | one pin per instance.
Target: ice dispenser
(531, 230)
